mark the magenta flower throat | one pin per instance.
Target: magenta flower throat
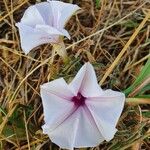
(79, 100)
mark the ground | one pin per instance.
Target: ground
(107, 33)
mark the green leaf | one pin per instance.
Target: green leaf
(146, 114)
(98, 2)
(145, 73)
(144, 96)
(3, 111)
(130, 24)
(144, 89)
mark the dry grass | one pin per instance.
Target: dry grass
(110, 36)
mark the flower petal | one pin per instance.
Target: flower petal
(106, 111)
(85, 82)
(52, 31)
(56, 102)
(78, 131)
(58, 87)
(31, 38)
(45, 11)
(32, 16)
(77, 81)
(63, 135)
(63, 11)
(87, 134)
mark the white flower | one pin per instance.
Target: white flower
(44, 23)
(80, 114)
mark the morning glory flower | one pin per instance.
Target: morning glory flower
(44, 23)
(80, 114)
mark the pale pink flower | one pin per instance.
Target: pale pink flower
(80, 114)
(44, 23)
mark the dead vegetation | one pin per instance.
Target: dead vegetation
(99, 34)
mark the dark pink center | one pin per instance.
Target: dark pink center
(79, 100)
